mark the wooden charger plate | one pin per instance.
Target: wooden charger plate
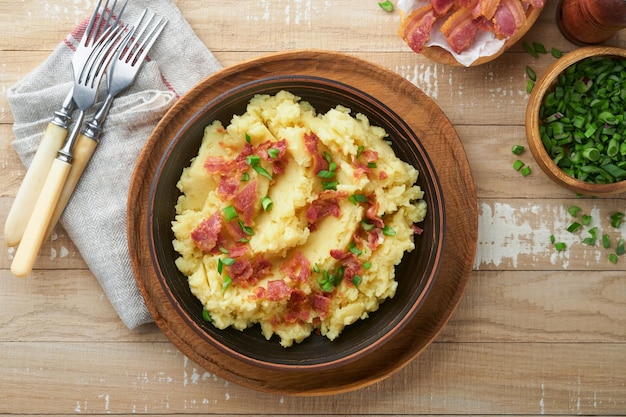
(443, 146)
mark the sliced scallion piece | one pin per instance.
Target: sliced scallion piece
(266, 203)
(386, 5)
(229, 213)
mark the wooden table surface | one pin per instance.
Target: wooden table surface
(538, 332)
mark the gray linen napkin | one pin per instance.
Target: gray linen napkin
(95, 218)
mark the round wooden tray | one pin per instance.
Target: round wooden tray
(448, 156)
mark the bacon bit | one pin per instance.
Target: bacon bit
(228, 186)
(320, 303)
(241, 272)
(311, 142)
(261, 267)
(245, 201)
(375, 238)
(350, 262)
(206, 234)
(277, 290)
(370, 155)
(417, 230)
(382, 175)
(217, 165)
(361, 169)
(297, 268)
(372, 212)
(416, 27)
(260, 293)
(326, 204)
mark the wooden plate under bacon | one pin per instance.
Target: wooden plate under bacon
(462, 20)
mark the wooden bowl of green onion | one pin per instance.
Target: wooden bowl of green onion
(576, 121)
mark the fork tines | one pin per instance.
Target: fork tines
(145, 34)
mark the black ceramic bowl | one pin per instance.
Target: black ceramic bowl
(415, 274)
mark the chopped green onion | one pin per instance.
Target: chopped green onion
(246, 229)
(273, 152)
(253, 160)
(531, 74)
(616, 219)
(357, 198)
(230, 213)
(585, 219)
(354, 249)
(316, 267)
(386, 5)
(552, 239)
(517, 165)
(573, 210)
(327, 157)
(226, 283)
(247, 138)
(367, 226)
(612, 258)
(245, 176)
(228, 261)
(529, 86)
(359, 151)
(526, 171)
(556, 53)
(332, 167)
(606, 241)
(539, 48)
(584, 116)
(389, 231)
(371, 165)
(329, 185)
(517, 149)
(619, 248)
(530, 50)
(262, 171)
(356, 280)
(560, 246)
(367, 265)
(206, 316)
(574, 227)
(325, 174)
(266, 203)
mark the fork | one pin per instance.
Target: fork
(121, 73)
(85, 94)
(56, 132)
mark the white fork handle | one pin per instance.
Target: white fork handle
(83, 150)
(32, 184)
(36, 227)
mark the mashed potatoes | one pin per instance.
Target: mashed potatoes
(294, 220)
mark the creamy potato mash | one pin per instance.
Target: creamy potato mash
(294, 220)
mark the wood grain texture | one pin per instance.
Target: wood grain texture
(536, 332)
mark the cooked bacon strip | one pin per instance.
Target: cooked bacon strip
(460, 30)
(206, 234)
(371, 213)
(442, 7)
(217, 165)
(311, 142)
(298, 267)
(509, 17)
(485, 8)
(537, 4)
(415, 28)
